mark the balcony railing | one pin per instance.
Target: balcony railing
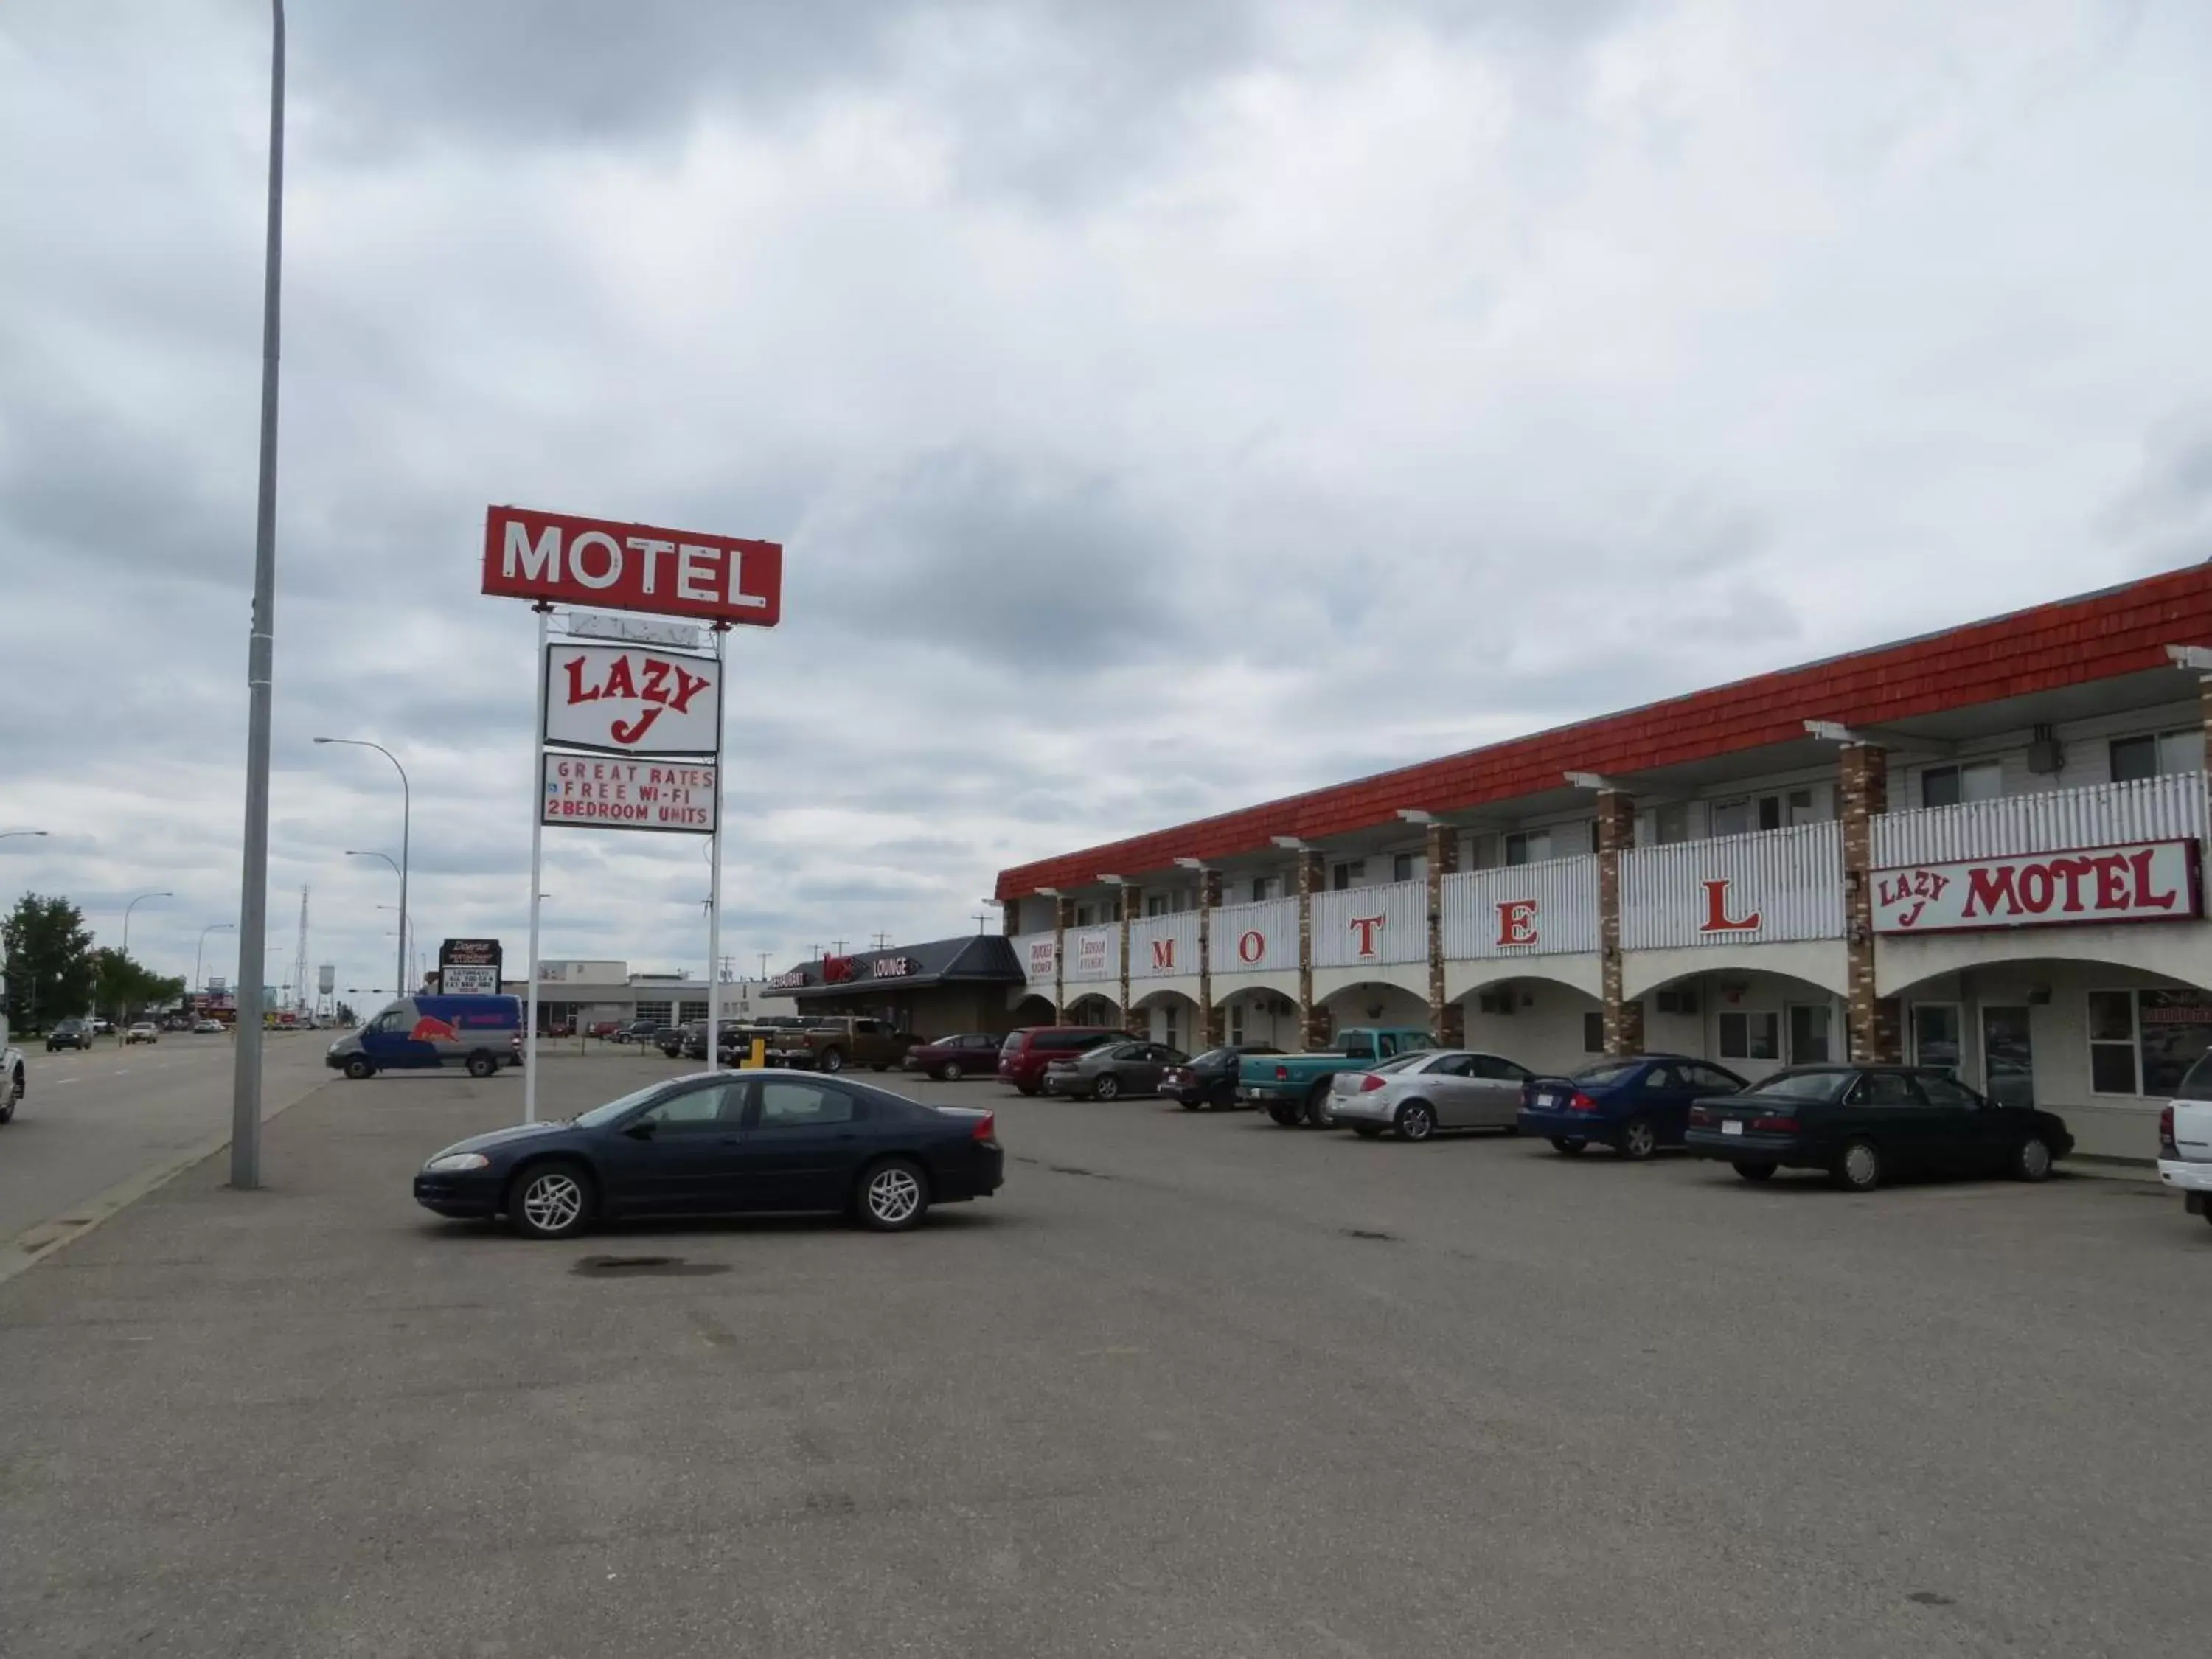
(1363, 925)
(2169, 808)
(1035, 953)
(1163, 945)
(1758, 889)
(1250, 938)
(1545, 909)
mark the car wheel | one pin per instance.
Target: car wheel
(1638, 1140)
(358, 1069)
(2031, 1159)
(1317, 1111)
(1285, 1115)
(1859, 1169)
(1191, 1105)
(1570, 1146)
(1029, 1089)
(833, 1059)
(1107, 1087)
(950, 1074)
(894, 1195)
(1417, 1121)
(1755, 1172)
(11, 1093)
(550, 1201)
(482, 1064)
(883, 1067)
(1367, 1130)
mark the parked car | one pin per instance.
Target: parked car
(1294, 1088)
(739, 1035)
(1108, 1069)
(69, 1033)
(670, 1039)
(1635, 1105)
(208, 1028)
(102, 1026)
(723, 1143)
(1025, 1052)
(1865, 1124)
(1209, 1080)
(2184, 1141)
(638, 1030)
(482, 1033)
(837, 1041)
(143, 1031)
(973, 1053)
(1415, 1095)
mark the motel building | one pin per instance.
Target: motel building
(1980, 849)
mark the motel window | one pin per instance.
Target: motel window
(1950, 785)
(1732, 817)
(1266, 887)
(1350, 873)
(1409, 866)
(1670, 823)
(1935, 1035)
(1804, 807)
(1594, 1032)
(1156, 904)
(2144, 1042)
(1528, 846)
(1085, 914)
(1481, 852)
(1595, 837)
(1747, 1036)
(2157, 755)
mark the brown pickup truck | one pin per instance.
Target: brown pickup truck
(832, 1043)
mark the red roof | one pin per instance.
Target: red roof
(2101, 635)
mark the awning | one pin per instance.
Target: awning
(976, 959)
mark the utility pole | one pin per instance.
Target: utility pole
(260, 668)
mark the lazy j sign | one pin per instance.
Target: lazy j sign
(2144, 881)
(629, 699)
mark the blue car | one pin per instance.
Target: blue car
(1635, 1105)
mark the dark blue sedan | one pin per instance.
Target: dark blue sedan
(720, 1143)
(1635, 1105)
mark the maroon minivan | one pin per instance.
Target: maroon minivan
(1027, 1052)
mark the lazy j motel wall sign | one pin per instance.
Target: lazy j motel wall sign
(2142, 881)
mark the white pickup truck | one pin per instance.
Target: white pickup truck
(11, 1063)
(2184, 1141)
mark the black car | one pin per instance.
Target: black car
(717, 1144)
(69, 1033)
(1864, 1123)
(669, 1039)
(1209, 1080)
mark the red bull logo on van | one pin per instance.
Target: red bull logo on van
(430, 1029)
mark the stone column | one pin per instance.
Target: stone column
(1132, 896)
(1447, 1019)
(1616, 834)
(1210, 1018)
(1875, 1025)
(1313, 1020)
(1063, 917)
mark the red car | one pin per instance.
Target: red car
(1027, 1052)
(949, 1059)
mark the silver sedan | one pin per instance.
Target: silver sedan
(1418, 1094)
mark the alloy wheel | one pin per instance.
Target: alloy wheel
(952, 1073)
(1415, 1121)
(1107, 1087)
(553, 1202)
(894, 1195)
(1638, 1140)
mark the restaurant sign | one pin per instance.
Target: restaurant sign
(2142, 881)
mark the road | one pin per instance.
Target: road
(1191, 1385)
(94, 1119)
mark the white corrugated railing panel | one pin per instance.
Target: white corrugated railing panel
(1250, 937)
(1094, 953)
(1162, 945)
(1359, 926)
(1762, 887)
(1545, 909)
(2169, 808)
(1035, 952)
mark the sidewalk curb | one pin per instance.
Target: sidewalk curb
(27, 1249)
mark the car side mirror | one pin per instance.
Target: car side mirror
(640, 1130)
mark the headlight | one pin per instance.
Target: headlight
(454, 1162)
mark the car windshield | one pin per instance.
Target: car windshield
(1805, 1086)
(599, 1116)
(1613, 1070)
(1218, 1057)
(2198, 1086)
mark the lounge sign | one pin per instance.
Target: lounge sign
(2142, 881)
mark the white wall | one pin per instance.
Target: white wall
(1544, 1032)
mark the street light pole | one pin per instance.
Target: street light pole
(353, 853)
(127, 909)
(196, 981)
(406, 836)
(260, 663)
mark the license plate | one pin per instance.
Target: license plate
(1547, 1103)
(1731, 1127)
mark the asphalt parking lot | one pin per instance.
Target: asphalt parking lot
(1191, 1384)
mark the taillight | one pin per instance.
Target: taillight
(1701, 1117)
(1774, 1125)
(1282, 1074)
(2166, 1141)
(1370, 1083)
(1581, 1103)
(986, 1132)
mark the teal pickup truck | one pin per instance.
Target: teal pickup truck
(1293, 1089)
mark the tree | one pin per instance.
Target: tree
(50, 961)
(129, 986)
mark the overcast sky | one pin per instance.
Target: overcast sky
(1164, 404)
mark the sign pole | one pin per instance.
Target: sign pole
(536, 865)
(714, 887)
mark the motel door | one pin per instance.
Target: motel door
(2008, 1057)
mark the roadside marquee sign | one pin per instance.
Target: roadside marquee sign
(599, 791)
(632, 700)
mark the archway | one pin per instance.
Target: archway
(1033, 1010)
(1093, 1009)
(1371, 1002)
(1752, 1021)
(1171, 1018)
(1549, 1025)
(1259, 1014)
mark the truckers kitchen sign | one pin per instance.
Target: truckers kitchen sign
(557, 557)
(633, 700)
(2143, 881)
